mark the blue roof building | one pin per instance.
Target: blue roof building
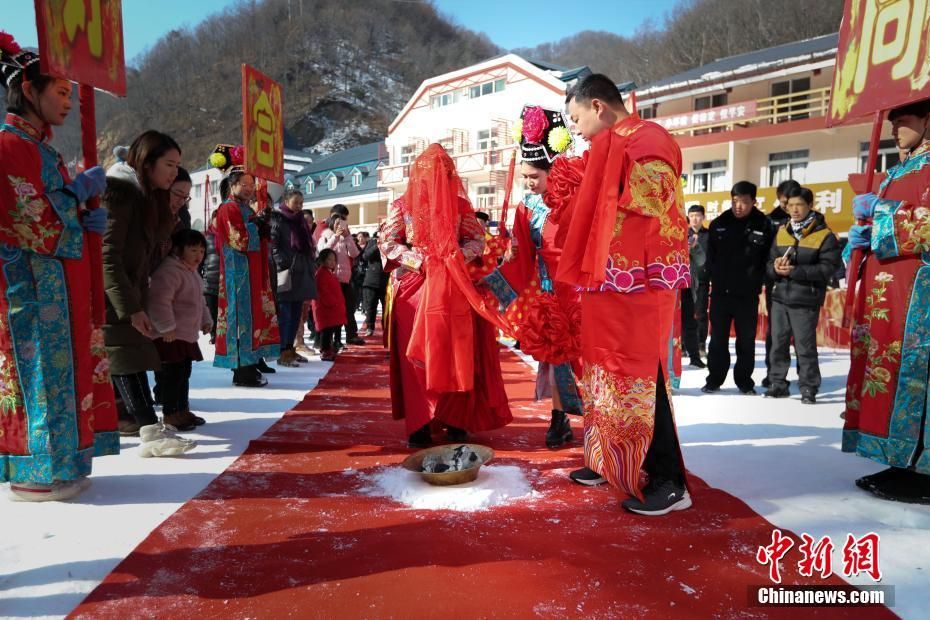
(349, 177)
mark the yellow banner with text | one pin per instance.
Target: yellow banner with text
(833, 200)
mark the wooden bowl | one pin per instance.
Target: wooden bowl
(414, 463)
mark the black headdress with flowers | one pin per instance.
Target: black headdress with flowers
(14, 60)
(228, 158)
(542, 134)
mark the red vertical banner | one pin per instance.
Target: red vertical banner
(262, 125)
(82, 41)
(883, 58)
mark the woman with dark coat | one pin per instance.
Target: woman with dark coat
(139, 222)
(211, 275)
(293, 254)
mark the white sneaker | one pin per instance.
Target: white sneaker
(58, 491)
(159, 440)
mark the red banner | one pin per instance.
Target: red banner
(883, 60)
(741, 112)
(262, 125)
(82, 41)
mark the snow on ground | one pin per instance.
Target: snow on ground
(54, 554)
(779, 456)
(783, 458)
(496, 485)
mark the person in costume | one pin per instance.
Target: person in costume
(886, 391)
(624, 243)
(546, 315)
(445, 361)
(56, 402)
(247, 322)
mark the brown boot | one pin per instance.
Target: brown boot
(181, 420)
(128, 428)
(288, 359)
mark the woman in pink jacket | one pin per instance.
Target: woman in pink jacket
(178, 312)
(338, 238)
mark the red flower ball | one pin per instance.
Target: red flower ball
(562, 184)
(550, 329)
(8, 44)
(535, 124)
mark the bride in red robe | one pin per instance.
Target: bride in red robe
(445, 361)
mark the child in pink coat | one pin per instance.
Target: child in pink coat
(179, 313)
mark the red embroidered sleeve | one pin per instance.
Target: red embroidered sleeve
(471, 237)
(393, 241)
(34, 218)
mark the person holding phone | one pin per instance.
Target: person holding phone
(338, 238)
(803, 259)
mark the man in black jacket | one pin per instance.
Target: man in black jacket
(694, 300)
(779, 217)
(802, 261)
(738, 249)
(374, 284)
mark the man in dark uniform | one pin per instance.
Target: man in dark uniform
(738, 249)
(694, 300)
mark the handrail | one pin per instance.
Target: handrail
(770, 110)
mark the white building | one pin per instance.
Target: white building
(760, 117)
(471, 112)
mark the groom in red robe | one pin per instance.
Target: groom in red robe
(625, 246)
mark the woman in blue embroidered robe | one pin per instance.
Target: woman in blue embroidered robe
(887, 389)
(56, 401)
(247, 323)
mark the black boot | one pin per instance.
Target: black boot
(248, 376)
(560, 430)
(264, 368)
(421, 438)
(456, 434)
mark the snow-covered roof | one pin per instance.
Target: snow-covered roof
(355, 156)
(759, 61)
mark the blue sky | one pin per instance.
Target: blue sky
(509, 24)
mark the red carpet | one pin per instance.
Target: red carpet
(284, 532)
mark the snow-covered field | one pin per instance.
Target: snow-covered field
(780, 456)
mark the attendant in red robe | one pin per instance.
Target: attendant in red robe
(886, 392)
(444, 353)
(625, 246)
(56, 400)
(247, 322)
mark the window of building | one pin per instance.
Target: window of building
(793, 98)
(439, 101)
(487, 88)
(647, 113)
(888, 156)
(214, 187)
(356, 178)
(707, 102)
(710, 101)
(487, 197)
(332, 182)
(487, 141)
(408, 153)
(198, 191)
(788, 165)
(709, 176)
(309, 186)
